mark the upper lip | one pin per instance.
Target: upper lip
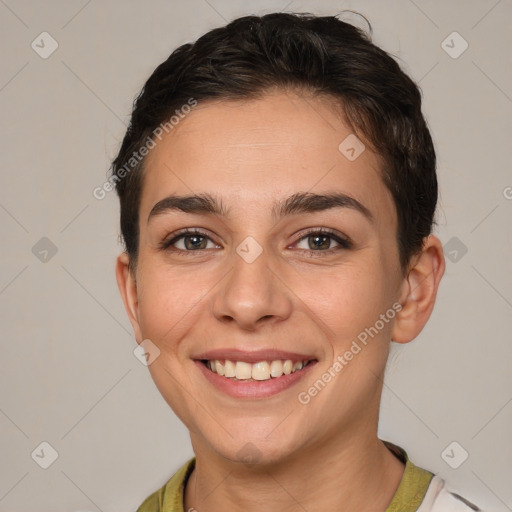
(253, 356)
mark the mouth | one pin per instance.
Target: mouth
(253, 375)
(260, 371)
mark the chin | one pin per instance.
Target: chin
(254, 448)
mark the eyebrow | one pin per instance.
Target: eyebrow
(301, 202)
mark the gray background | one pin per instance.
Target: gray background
(68, 374)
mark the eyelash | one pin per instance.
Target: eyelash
(344, 242)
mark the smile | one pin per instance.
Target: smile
(259, 371)
(253, 374)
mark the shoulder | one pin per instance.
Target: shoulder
(423, 491)
(439, 498)
(152, 503)
(169, 498)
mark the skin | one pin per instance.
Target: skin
(292, 297)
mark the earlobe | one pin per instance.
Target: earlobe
(419, 291)
(128, 289)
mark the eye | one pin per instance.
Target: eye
(321, 240)
(189, 241)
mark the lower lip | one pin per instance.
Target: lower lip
(256, 388)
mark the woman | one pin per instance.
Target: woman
(278, 189)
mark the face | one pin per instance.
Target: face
(290, 256)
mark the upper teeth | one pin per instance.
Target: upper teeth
(262, 370)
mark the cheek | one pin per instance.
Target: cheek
(168, 300)
(347, 300)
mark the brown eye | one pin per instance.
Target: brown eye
(193, 242)
(323, 241)
(189, 241)
(317, 242)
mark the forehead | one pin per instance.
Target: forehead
(250, 152)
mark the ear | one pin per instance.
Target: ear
(128, 289)
(419, 290)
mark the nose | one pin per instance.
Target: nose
(252, 294)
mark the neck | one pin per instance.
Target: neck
(342, 475)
